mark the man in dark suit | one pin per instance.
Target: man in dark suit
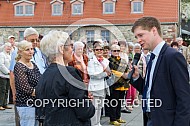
(166, 88)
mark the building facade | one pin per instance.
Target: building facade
(86, 20)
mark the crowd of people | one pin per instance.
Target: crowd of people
(56, 81)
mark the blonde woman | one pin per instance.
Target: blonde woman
(27, 76)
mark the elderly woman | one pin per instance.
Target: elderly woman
(119, 68)
(63, 85)
(123, 50)
(27, 76)
(98, 70)
(4, 75)
(80, 60)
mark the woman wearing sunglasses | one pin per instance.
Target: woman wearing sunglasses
(119, 68)
(98, 70)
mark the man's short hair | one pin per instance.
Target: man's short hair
(30, 31)
(147, 23)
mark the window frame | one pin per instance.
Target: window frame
(109, 2)
(90, 37)
(57, 13)
(21, 35)
(53, 4)
(76, 13)
(24, 9)
(141, 5)
(74, 3)
(105, 36)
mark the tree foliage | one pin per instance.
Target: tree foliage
(185, 0)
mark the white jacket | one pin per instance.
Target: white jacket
(97, 84)
(5, 59)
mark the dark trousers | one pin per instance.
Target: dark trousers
(10, 96)
(107, 111)
(115, 104)
(4, 90)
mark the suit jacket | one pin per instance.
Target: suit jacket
(171, 85)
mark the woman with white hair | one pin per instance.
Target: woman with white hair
(63, 84)
(80, 60)
(27, 76)
(5, 59)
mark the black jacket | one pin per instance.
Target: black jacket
(70, 106)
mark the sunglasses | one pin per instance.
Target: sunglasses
(98, 49)
(115, 50)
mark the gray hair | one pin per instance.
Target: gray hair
(130, 44)
(51, 42)
(179, 39)
(137, 45)
(77, 44)
(115, 46)
(7, 44)
(30, 31)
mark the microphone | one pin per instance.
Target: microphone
(135, 61)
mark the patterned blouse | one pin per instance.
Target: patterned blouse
(26, 80)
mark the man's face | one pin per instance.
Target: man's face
(33, 39)
(12, 41)
(145, 38)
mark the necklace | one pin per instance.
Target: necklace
(28, 64)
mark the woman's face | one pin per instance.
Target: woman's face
(137, 49)
(122, 47)
(115, 52)
(67, 55)
(98, 51)
(79, 50)
(27, 53)
(8, 49)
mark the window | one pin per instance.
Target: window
(105, 35)
(137, 7)
(29, 9)
(19, 10)
(90, 35)
(24, 8)
(21, 35)
(108, 6)
(77, 7)
(57, 7)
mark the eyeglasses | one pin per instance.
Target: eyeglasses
(98, 49)
(71, 45)
(115, 50)
(33, 40)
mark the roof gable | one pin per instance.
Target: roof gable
(111, 0)
(21, 1)
(53, 1)
(82, 1)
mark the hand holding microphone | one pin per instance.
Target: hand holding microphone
(134, 72)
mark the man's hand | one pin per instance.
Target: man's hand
(136, 72)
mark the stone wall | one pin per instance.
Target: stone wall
(78, 33)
